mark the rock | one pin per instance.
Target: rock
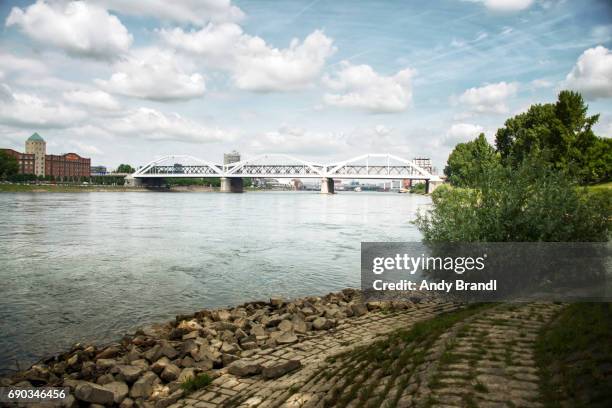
(119, 389)
(94, 393)
(127, 403)
(359, 309)
(187, 362)
(167, 350)
(105, 363)
(320, 323)
(133, 355)
(142, 363)
(285, 325)
(190, 325)
(170, 373)
(229, 348)
(280, 369)
(108, 352)
(129, 373)
(169, 400)
(258, 330)
(277, 301)
(287, 338)
(144, 386)
(153, 353)
(158, 366)
(223, 315)
(227, 359)
(188, 346)
(191, 335)
(242, 368)
(299, 325)
(186, 374)
(105, 379)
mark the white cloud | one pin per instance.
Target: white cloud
(30, 111)
(592, 74)
(505, 5)
(217, 44)
(461, 132)
(76, 27)
(541, 83)
(198, 12)
(155, 125)
(94, 99)
(254, 65)
(154, 74)
(12, 63)
(264, 69)
(489, 98)
(359, 86)
(293, 139)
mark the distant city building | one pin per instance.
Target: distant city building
(68, 165)
(232, 157)
(99, 171)
(26, 161)
(36, 161)
(37, 146)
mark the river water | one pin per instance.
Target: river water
(92, 266)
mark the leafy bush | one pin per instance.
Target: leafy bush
(530, 203)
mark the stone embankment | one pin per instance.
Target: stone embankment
(147, 368)
(293, 354)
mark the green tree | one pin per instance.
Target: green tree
(8, 165)
(533, 202)
(468, 161)
(559, 134)
(125, 168)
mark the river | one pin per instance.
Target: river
(92, 266)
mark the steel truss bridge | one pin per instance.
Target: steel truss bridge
(369, 166)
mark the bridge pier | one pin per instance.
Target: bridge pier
(327, 185)
(231, 185)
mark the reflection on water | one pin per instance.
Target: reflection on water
(91, 266)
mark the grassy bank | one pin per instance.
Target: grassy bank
(574, 354)
(54, 188)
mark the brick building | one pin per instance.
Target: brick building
(25, 160)
(67, 165)
(37, 161)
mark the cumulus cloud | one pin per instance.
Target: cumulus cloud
(77, 27)
(461, 132)
(360, 87)
(216, 44)
(592, 74)
(93, 99)
(489, 98)
(262, 68)
(505, 5)
(30, 111)
(156, 75)
(197, 12)
(294, 139)
(155, 125)
(255, 65)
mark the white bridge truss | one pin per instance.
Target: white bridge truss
(369, 166)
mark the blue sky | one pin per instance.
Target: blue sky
(128, 81)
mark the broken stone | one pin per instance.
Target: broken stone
(93, 393)
(242, 368)
(278, 370)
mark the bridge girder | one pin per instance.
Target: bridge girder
(293, 168)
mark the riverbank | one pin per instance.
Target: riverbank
(154, 364)
(65, 188)
(316, 351)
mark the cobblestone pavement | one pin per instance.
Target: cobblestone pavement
(484, 360)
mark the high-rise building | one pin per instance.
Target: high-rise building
(232, 157)
(37, 146)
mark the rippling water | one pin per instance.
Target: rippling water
(91, 266)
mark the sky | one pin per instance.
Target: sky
(128, 81)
